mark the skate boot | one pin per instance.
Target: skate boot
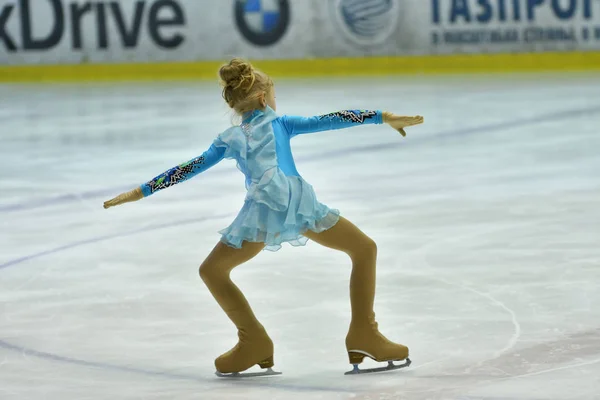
(253, 348)
(365, 340)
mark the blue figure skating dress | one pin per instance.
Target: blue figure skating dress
(280, 206)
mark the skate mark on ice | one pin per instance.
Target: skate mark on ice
(165, 374)
(25, 351)
(505, 361)
(517, 326)
(430, 363)
(55, 357)
(582, 364)
(417, 257)
(534, 355)
(99, 239)
(340, 152)
(420, 255)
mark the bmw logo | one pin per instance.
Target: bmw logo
(366, 22)
(262, 22)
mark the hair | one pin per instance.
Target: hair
(243, 85)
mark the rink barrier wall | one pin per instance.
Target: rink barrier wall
(67, 32)
(371, 66)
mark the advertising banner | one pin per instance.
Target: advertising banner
(397, 27)
(79, 31)
(124, 31)
(517, 25)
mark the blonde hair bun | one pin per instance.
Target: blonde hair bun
(243, 85)
(238, 74)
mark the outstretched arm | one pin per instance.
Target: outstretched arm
(337, 120)
(345, 119)
(175, 175)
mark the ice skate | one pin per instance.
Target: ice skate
(365, 340)
(255, 348)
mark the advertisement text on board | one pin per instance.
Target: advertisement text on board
(484, 11)
(529, 24)
(158, 15)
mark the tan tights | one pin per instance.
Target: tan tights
(344, 236)
(254, 345)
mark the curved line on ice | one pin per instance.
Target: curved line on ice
(112, 367)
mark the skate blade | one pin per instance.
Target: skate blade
(390, 367)
(268, 372)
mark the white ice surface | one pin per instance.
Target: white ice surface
(487, 220)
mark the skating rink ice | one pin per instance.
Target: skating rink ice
(487, 219)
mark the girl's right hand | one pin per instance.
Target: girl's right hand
(127, 197)
(399, 122)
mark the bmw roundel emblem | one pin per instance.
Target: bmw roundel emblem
(262, 22)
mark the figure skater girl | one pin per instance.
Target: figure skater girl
(279, 207)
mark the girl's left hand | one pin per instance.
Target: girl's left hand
(400, 122)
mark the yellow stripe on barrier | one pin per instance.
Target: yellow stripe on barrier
(434, 64)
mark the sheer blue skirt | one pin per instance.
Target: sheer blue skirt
(267, 219)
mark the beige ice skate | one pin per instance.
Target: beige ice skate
(365, 340)
(253, 348)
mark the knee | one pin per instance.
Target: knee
(370, 247)
(203, 272)
(208, 271)
(367, 249)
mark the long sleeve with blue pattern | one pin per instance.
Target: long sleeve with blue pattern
(337, 120)
(184, 171)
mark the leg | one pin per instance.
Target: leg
(346, 237)
(363, 337)
(215, 272)
(254, 346)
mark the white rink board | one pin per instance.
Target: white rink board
(78, 31)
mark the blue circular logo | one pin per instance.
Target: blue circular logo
(366, 22)
(262, 22)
